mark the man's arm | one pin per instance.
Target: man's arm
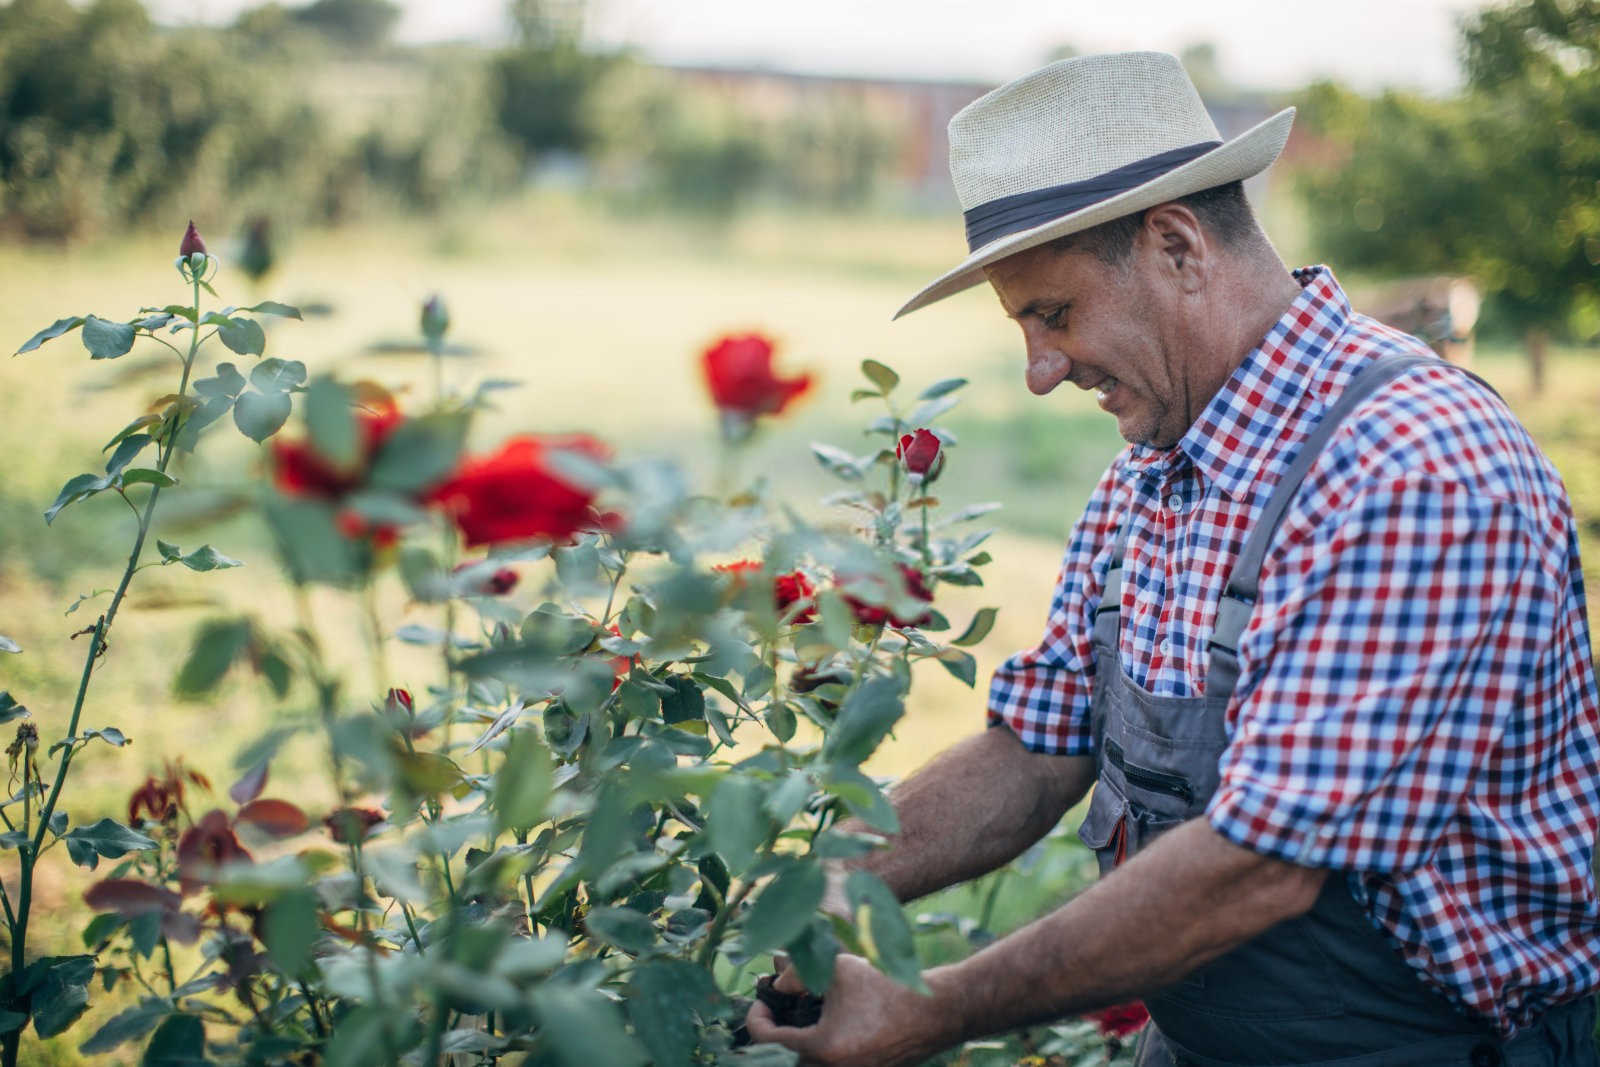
(1188, 899)
(976, 806)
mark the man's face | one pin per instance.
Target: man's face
(1111, 328)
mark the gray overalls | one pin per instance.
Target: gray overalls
(1327, 988)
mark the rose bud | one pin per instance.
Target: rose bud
(922, 454)
(400, 699)
(501, 582)
(352, 825)
(435, 318)
(192, 242)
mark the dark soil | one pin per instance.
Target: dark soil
(788, 1009)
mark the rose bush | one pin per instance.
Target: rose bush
(571, 836)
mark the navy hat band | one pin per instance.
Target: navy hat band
(1024, 211)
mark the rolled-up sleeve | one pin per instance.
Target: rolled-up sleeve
(1042, 694)
(1389, 650)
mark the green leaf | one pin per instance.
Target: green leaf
(864, 799)
(419, 453)
(290, 928)
(924, 413)
(260, 415)
(106, 339)
(127, 449)
(308, 536)
(141, 423)
(885, 932)
(836, 461)
(941, 387)
(665, 997)
(624, 928)
(960, 664)
(216, 645)
(178, 1042)
(865, 720)
(813, 953)
(227, 382)
(244, 336)
(583, 1028)
(12, 1020)
(58, 991)
(79, 488)
(881, 376)
(50, 333)
(9, 708)
(978, 628)
(204, 558)
(785, 906)
(107, 838)
(169, 551)
(686, 702)
(278, 375)
(109, 734)
(8, 645)
(147, 476)
(736, 824)
(523, 783)
(272, 307)
(864, 394)
(129, 1025)
(331, 420)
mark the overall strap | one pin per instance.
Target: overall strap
(1233, 611)
(1107, 614)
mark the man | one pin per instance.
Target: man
(1319, 636)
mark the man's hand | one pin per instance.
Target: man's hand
(868, 1020)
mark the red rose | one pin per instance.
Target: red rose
(877, 615)
(514, 495)
(204, 848)
(400, 700)
(793, 588)
(300, 470)
(162, 798)
(920, 452)
(739, 374)
(352, 825)
(191, 242)
(1120, 1020)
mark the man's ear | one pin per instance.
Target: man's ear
(1183, 253)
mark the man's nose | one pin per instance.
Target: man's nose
(1047, 365)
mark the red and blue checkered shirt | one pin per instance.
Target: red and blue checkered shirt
(1416, 702)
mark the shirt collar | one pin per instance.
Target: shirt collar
(1242, 426)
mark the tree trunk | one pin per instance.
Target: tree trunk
(1535, 340)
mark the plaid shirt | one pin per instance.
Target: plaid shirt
(1416, 702)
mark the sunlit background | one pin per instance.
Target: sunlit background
(597, 191)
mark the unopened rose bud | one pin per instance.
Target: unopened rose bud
(400, 700)
(435, 318)
(192, 242)
(921, 452)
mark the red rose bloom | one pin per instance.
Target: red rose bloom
(793, 588)
(514, 495)
(921, 454)
(1120, 1020)
(300, 470)
(738, 371)
(204, 848)
(876, 615)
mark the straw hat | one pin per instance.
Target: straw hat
(1081, 142)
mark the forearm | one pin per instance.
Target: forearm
(975, 807)
(1129, 934)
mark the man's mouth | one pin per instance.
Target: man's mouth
(1104, 389)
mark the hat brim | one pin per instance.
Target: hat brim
(1245, 156)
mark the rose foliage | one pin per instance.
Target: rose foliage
(627, 734)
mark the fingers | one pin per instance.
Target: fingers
(788, 980)
(763, 1030)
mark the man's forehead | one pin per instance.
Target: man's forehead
(1028, 280)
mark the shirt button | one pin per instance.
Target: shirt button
(1175, 504)
(1166, 646)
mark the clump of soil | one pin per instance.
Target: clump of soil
(788, 1009)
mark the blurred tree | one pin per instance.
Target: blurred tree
(1499, 183)
(353, 23)
(542, 84)
(1200, 60)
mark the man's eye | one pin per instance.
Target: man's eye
(1057, 318)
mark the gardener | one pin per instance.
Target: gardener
(1344, 728)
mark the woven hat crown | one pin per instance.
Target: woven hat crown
(1071, 121)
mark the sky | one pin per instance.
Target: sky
(1268, 44)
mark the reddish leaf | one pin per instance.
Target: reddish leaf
(249, 787)
(276, 817)
(131, 897)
